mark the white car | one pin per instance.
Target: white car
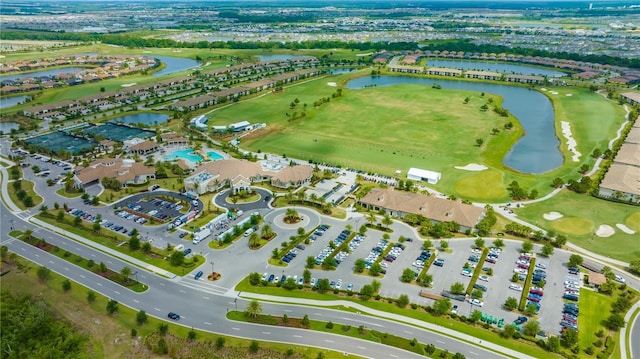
(520, 271)
(265, 276)
(619, 279)
(541, 265)
(517, 287)
(476, 302)
(484, 278)
(313, 282)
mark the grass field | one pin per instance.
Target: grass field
(109, 336)
(27, 186)
(584, 214)
(590, 321)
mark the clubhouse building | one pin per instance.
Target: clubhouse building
(241, 175)
(124, 170)
(399, 204)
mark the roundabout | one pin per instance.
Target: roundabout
(308, 219)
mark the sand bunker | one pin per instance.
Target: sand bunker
(553, 92)
(552, 216)
(472, 167)
(332, 84)
(625, 229)
(129, 84)
(605, 231)
(543, 89)
(569, 94)
(367, 54)
(571, 142)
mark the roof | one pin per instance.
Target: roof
(122, 170)
(293, 174)
(143, 146)
(631, 95)
(629, 153)
(623, 178)
(596, 278)
(231, 169)
(438, 209)
(633, 136)
(424, 173)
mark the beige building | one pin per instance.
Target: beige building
(399, 204)
(241, 174)
(125, 171)
(622, 182)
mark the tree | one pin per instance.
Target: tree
(254, 278)
(477, 293)
(575, 260)
(324, 285)
(476, 316)
(407, 275)
(569, 338)
(427, 244)
(254, 309)
(608, 273)
(558, 182)
(442, 306)
(4, 253)
(375, 269)
(403, 300)
(508, 331)
(141, 317)
(386, 220)
(329, 263)
(91, 296)
(510, 304)
(615, 321)
(634, 266)
(112, 306)
(176, 258)
(163, 328)
(306, 276)
(254, 346)
(444, 245)
(376, 285)
(561, 240)
(498, 243)
(44, 274)
(527, 247)
(479, 243)
(366, 292)
(125, 273)
(479, 142)
(134, 243)
(371, 218)
(220, 343)
(531, 328)
(425, 280)
(311, 262)
(289, 284)
(254, 240)
(66, 285)
(553, 344)
(359, 265)
(547, 250)
(266, 232)
(531, 310)
(457, 288)
(305, 320)
(191, 335)
(146, 247)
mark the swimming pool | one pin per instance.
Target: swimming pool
(189, 155)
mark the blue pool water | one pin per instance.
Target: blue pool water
(189, 155)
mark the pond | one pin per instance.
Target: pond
(536, 152)
(340, 71)
(6, 127)
(496, 67)
(279, 57)
(12, 101)
(146, 118)
(51, 72)
(175, 64)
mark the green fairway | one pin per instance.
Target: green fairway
(485, 185)
(633, 221)
(590, 212)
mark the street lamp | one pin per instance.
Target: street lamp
(136, 274)
(212, 271)
(236, 302)
(11, 224)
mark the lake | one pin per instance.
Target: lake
(51, 72)
(147, 118)
(495, 67)
(11, 101)
(6, 127)
(536, 152)
(174, 64)
(340, 71)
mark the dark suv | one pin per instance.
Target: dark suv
(174, 316)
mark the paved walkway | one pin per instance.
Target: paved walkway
(111, 252)
(623, 331)
(395, 317)
(5, 187)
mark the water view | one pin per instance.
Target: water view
(536, 152)
(12, 101)
(148, 119)
(6, 127)
(51, 72)
(496, 67)
(341, 71)
(175, 64)
(279, 57)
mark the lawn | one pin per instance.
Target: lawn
(583, 215)
(111, 339)
(27, 186)
(406, 126)
(590, 320)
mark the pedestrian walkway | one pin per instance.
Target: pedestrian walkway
(109, 251)
(390, 316)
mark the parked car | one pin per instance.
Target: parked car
(199, 274)
(521, 320)
(517, 287)
(476, 302)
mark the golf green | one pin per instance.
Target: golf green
(633, 221)
(573, 226)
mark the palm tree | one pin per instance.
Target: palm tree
(288, 197)
(301, 196)
(28, 234)
(371, 218)
(386, 220)
(266, 231)
(125, 273)
(254, 309)
(254, 240)
(313, 198)
(291, 215)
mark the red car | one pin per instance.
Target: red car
(537, 291)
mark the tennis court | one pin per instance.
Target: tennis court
(61, 141)
(117, 132)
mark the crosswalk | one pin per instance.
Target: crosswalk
(203, 285)
(24, 214)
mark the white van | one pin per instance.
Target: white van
(248, 232)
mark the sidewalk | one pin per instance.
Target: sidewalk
(109, 251)
(623, 331)
(5, 187)
(394, 317)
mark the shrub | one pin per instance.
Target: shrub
(329, 325)
(598, 343)
(589, 350)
